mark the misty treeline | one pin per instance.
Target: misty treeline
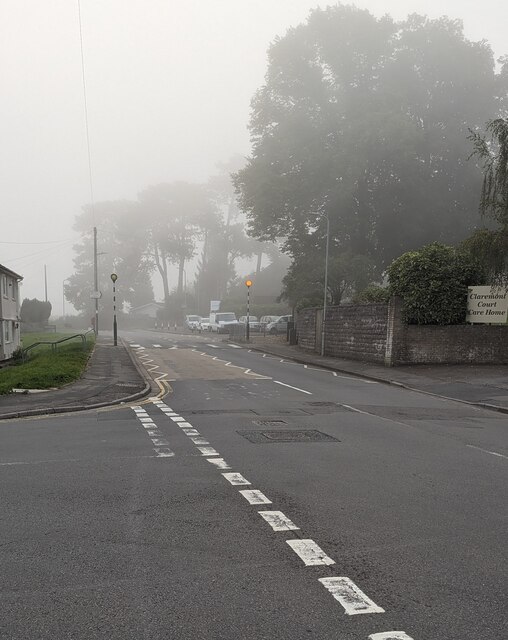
(368, 121)
(164, 228)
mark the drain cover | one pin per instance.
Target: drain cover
(286, 435)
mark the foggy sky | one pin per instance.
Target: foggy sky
(169, 84)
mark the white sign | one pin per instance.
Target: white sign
(214, 305)
(487, 305)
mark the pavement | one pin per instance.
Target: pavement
(481, 385)
(111, 377)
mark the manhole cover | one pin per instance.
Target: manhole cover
(287, 435)
(269, 423)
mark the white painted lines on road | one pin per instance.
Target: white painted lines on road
(177, 419)
(291, 387)
(157, 346)
(214, 346)
(220, 463)
(198, 440)
(390, 635)
(253, 496)
(310, 552)
(160, 442)
(235, 478)
(492, 453)
(278, 521)
(190, 432)
(161, 445)
(208, 451)
(350, 596)
(164, 452)
(235, 346)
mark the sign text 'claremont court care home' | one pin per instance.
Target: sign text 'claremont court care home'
(487, 304)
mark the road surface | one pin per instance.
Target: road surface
(259, 499)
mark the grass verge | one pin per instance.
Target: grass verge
(46, 369)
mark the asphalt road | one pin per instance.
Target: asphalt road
(381, 510)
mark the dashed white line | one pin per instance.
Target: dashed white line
(492, 453)
(219, 462)
(160, 442)
(278, 521)
(390, 635)
(208, 451)
(164, 452)
(235, 478)
(310, 552)
(197, 440)
(214, 346)
(177, 419)
(157, 346)
(191, 432)
(291, 387)
(235, 346)
(253, 496)
(350, 596)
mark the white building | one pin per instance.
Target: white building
(10, 333)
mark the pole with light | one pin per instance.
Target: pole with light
(325, 294)
(114, 278)
(248, 284)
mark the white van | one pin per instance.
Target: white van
(221, 321)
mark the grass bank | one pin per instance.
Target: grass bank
(46, 368)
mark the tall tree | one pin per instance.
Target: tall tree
(175, 215)
(365, 120)
(122, 242)
(491, 245)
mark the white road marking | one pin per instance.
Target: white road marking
(157, 346)
(145, 420)
(492, 453)
(235, 478)
(235, 346)
(208, 451)
(191, 432)
(155, 434)
(214, 346)
(253, 496)
(160, 442)
(291, 387)
(185, 424)
(390, 635)
(197, 440)
(309, 552)
(164, 453)
(219, 462)
(135, 345)
(177, 419)
(350, 596)
(278, 521)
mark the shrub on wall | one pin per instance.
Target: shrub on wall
(432, 283)
(372, 294)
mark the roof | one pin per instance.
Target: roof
(148, 304)
(9, 272)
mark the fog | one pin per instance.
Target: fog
(169, 85)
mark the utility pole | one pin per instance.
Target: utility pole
(248, 284)
(114, 278)
(95, 282)
(45, 284)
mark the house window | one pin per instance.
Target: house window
(4, 285)
(8, 331)
(12, 286)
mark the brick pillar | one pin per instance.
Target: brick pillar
(394, 332)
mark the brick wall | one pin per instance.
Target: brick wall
(377, 333)
(460, 344)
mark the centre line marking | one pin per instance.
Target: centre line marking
(310, 552)
(492, 453)
(253, 496)
(278, 521)
(350, 596)
(291, 387)
(390, 635)
(178, 419)
(198, 440)
(235, 478)
(208, 451)
(219, 462)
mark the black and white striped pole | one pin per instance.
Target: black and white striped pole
(114, 278)
(248, 284)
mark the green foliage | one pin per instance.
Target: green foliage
(372, 294)
(366, 120)
(35, 311)
(432, 283)
(47, 369)
(491, 245)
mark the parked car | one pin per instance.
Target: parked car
(222, 321)
(266, 320)
(279, 326)
(254, 324)
(204, 324)
(192, 322)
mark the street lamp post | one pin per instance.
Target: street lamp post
(248, 284)
(114, 278)
(325, 294)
